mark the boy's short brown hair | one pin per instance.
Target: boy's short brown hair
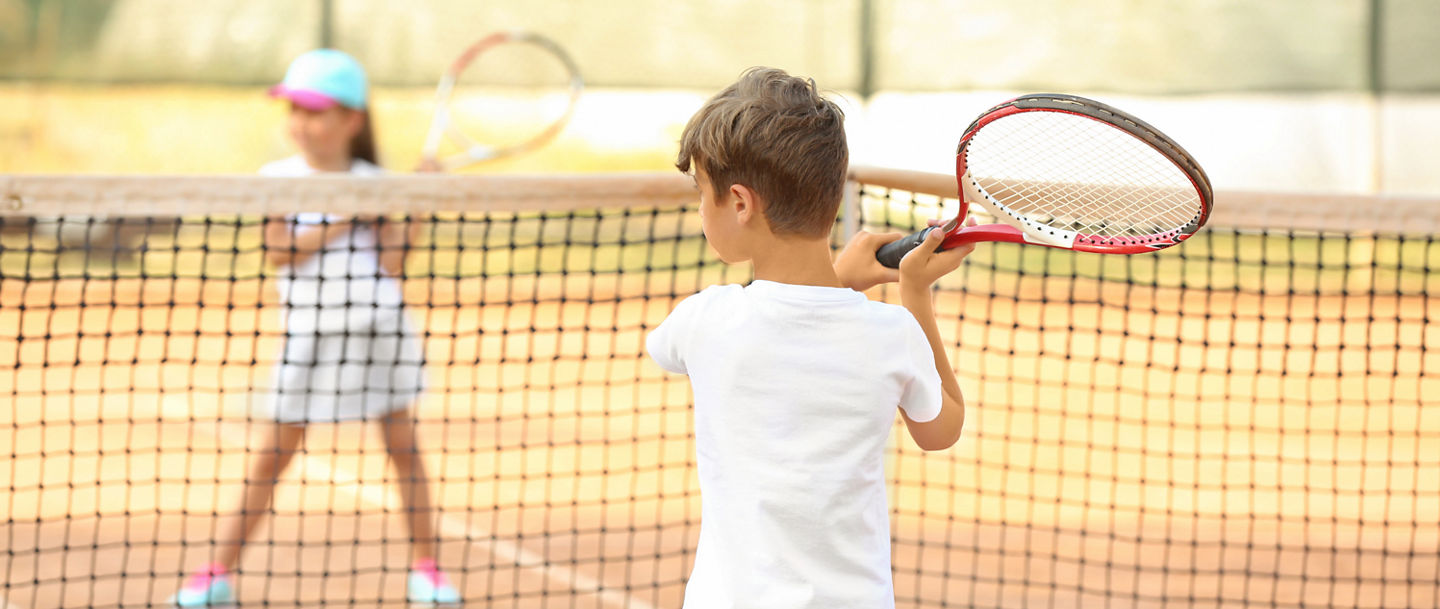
(774, 133)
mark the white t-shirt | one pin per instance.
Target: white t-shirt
(795, 394)
(342, 287)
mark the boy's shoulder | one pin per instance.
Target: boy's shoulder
(694, 303)
(853, 306)
(722, 294)
(716, 292)
(892, 317)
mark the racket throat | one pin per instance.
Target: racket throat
(1021, 229)
(1046, 236)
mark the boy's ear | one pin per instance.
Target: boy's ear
(747, 203)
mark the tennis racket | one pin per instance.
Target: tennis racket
(554, 87)
(1068, 172)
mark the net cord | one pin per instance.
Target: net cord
(54, 195)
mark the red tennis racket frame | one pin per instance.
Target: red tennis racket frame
(957, 233)
(1102, 113)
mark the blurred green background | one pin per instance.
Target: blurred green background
(1313, 95)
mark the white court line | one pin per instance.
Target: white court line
(177, 407)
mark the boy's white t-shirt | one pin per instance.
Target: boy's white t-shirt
(795, 393)
(343, 287)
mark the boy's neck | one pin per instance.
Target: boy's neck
(796, 261)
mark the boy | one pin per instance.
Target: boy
(797, 375)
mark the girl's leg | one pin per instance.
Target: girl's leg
(399, 432)
(265, 471)
(427, 585)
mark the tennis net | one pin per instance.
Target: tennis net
(1238, 421)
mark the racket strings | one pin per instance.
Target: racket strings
(1109, 190)
(1079, 174)
(506, 95)
(1104, 199)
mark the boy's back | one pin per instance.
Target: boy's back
(796, 377)
(795, 393)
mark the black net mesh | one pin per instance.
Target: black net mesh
(1238, 421)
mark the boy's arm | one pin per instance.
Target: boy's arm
(667, 343)
(918, 271)
(942, 431)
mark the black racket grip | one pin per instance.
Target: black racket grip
(891, 253)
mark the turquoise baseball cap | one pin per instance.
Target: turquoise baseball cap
(321, 79)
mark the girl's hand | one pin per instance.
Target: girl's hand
(396, 239)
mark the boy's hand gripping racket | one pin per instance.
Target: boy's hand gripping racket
(1069, 172)
(530, 47)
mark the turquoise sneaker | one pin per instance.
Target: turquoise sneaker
(428, 587)
(208, 587)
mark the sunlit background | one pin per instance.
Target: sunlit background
(1335, 96)
(1244, 420)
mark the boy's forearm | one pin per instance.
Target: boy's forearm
(941, 432)
(920, 302)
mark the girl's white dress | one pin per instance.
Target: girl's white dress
(351, 351)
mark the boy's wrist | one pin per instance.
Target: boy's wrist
(914, 287)
(911, 294)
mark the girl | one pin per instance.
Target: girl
(350, 351)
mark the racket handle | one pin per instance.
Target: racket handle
(891, 253)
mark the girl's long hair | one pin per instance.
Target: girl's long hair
(362, 146)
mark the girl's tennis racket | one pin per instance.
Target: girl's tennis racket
(551, 87)
(1069, 172)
